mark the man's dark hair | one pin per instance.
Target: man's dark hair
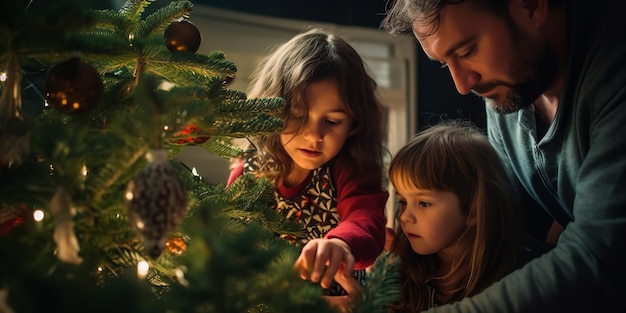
(402, 13)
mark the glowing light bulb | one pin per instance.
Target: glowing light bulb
(142, 269)
(38, 215)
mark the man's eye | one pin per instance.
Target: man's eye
(468, 53)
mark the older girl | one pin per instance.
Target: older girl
(327, 162)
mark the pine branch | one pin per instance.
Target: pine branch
(97, 41)
(159, 20)
(187, 69)
(250, 199)
(253, 106)
(261, 123)
(382, 285)
(133, 9)
(222, 147)
(109, 21)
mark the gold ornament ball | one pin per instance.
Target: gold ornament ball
(182, 36)
(73, 86)
(176, 245)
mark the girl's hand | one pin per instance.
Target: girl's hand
(322, 259)
(345, 303)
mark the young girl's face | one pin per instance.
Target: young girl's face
(323, 133)
(431, 220)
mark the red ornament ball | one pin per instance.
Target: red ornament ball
(182, 36)
(13, 216)
(176, 245)
(73, 87)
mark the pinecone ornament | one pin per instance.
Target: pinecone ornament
(156, 202)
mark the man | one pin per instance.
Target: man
(553, 75)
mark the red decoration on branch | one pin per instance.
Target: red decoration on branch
(13, 216)
(191, 134)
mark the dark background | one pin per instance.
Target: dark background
(437, 97)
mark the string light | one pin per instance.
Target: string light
(142, 269)
(38, 215)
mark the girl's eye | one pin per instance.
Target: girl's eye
(333, 122)
(423, 204)
(402, 204)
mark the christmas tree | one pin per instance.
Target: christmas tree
(96, 213)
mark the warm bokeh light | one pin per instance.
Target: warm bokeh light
(142, 269)
(38, 215)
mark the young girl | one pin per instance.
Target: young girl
(459, 233)
(327, 162)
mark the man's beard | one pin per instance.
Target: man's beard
(531, 77)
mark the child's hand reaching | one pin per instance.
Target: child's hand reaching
(321, 259)
(345, 303)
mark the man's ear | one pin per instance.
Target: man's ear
(529, 14)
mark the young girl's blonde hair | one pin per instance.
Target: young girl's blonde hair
(457, 157)
(312, 56)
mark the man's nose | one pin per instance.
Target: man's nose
(464, 79)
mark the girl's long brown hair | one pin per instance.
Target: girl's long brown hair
(457, 157)
(309, 57)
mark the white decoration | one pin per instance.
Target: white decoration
(64, 236)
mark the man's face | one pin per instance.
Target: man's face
(489, 57)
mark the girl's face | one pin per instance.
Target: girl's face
(431, 220)
(323, 133)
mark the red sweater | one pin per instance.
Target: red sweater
(360, 205)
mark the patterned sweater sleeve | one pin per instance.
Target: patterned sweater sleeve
(361, 206)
